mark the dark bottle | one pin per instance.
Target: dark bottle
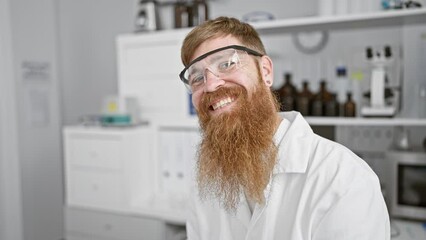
(287, 94)
(181, 14)
(304, 100)
(197, 12)
(320, 100)
(201, 11)
(316, 106)
(332, 106)
(349, 108)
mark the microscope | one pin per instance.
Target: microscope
(382, 100)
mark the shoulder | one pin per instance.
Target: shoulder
(339, 167)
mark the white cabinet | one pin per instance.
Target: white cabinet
(108, 168)
(139, 171)
(101, 225)
(148, 68)
(109, 172)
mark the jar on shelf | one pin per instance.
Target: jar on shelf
(349, 108)
(304, 100)
(332, 106)
(320, 100)
(287, 94)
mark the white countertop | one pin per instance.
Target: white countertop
(407, 230)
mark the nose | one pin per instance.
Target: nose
(212, 81)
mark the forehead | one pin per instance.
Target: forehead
(213, 44)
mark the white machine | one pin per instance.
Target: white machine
(379, 94)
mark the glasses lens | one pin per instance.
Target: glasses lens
(220, 64)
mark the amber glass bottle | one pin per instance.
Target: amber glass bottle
(304, 99)
(320, 100)
(316, 106)
(287, 94)
(332, 106)
(349, 108)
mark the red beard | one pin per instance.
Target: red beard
(237, 153)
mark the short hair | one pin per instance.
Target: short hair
(220, 27)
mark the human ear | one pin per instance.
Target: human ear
(267, 70)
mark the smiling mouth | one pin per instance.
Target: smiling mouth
(222, 103)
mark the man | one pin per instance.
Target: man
(260, 175)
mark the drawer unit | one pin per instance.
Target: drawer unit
(108, 168)
(94, 225)
(100, 151)
(98, 190)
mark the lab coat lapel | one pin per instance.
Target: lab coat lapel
(297, 161)
(294, 154)
(243, 214)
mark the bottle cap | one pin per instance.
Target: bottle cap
(341, 71)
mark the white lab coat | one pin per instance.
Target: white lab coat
(319, 190)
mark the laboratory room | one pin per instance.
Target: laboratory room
(107, 132)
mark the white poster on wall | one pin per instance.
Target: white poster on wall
(36, 77)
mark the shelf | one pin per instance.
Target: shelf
(373, 19)
(192, 123)
(342, 121)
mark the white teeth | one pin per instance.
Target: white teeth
(222, 103)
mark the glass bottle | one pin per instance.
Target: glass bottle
(341, 84)
(320, 100)
(287, 94)
(304, 99)
(349, 108)
(181, 14)
(198, 12)
(316, 106)
(332, 106)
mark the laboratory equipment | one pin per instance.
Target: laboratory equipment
(382, 102)
(120, 111)
(147, 18)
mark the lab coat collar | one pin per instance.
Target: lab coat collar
(293, 157)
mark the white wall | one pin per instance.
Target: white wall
(34, 37)
(10, 181)
(87, 30)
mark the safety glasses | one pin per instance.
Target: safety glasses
(220, 62)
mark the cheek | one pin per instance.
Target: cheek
(196, 100)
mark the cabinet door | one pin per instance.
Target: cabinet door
(96, 189)
(95, 151)
(148, 67)
(103, 225)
